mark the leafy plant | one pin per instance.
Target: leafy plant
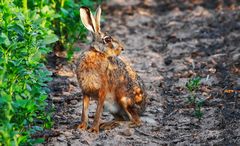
(68, 26)
(23, 76)
(192, 85)
(27, 29)
(64, 19)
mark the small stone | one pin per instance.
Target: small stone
(236, 57)
(67, 133)
(57, 99)
(149, 120)
(154, 65)
(74, 102)
(62, 138)
(167, 61)
(127, 132)
(212, 70)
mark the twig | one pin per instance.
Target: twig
(172, 113)
(146, 134)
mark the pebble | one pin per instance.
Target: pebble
(236, 57)
(74, 102)
(167, 61)
(154, 65)
(62, 138)
(127, 132)
(67, 133)
(149, 120)
(57, 99)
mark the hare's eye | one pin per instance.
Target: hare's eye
(107, 39)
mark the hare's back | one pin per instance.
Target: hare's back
(134, 87)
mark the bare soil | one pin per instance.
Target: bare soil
(167, 42)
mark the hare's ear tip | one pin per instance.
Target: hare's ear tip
(84, 8)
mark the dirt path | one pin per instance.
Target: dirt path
(167, 42)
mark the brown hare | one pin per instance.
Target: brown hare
(105, 77)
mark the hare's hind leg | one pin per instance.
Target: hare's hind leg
(126, 104)
(84, 122)
(135, 119)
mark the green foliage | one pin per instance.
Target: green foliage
(27, 28)
(192, 85)
(197, 111)
(68, 25)
(23, 76)
(64, 19)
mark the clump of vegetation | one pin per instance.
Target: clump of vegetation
(23, 76)
(192, 86)
(28, 31)
(62, 16)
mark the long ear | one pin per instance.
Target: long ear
(88, 19)
(98, 19)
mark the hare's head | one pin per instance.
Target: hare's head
(107, 44)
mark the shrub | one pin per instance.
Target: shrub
(27, 27)
(23, 76)
(63, 18)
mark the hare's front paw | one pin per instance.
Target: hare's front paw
(94, 129)
(83, 126)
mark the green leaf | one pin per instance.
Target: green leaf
(35, 58)
(17, 27)
(43, 97)
(20, 16)
(64, 12)
(2, 100)
(4, 39)
(51, 38)
(29, 88)
(20, 103)
(193, 84)
(38, 141)
(37, 128)
(200, 103)
(45, 9)
(70, 54)
(22, 138)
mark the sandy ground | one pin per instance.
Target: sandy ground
(167, 42)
